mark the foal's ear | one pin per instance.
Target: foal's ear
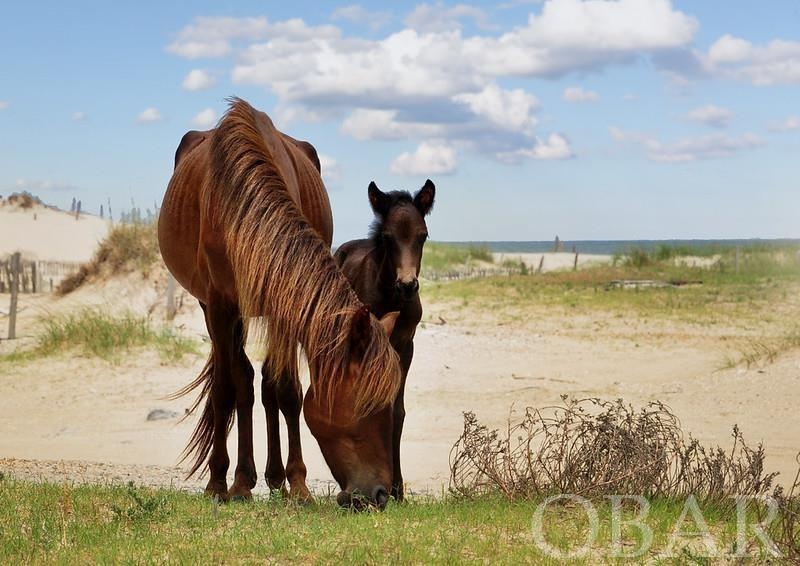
(423, 200)
(360, 329)
(388, 321)
(379, 200)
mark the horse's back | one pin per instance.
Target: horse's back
(299, 166)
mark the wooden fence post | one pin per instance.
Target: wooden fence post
(170, 296)
(12, 311)
(34, 280)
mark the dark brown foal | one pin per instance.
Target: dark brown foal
(384, 271)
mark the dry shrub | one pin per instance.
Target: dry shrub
(127, 247)
(595, 448)
(24, 200)
(785, 530)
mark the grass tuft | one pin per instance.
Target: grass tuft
(127, 247)
(94, 333)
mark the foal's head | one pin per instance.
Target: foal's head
(357, 443)
(400, 232)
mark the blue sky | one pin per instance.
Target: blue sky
(590, 119)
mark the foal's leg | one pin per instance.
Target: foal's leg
(290, 399)
(245, 476)
(398, 416)
(275, 473)
(232, 386)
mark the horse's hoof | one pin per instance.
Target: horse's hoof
(240, 494)
(219, 495)
(302, 496)
(278, 492)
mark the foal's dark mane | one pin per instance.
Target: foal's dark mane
(396, 198)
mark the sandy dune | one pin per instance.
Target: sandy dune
(48, 234)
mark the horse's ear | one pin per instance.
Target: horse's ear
(360, 329)
(379, 200)
(388, 321)
(423, 200)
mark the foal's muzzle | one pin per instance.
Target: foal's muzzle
(407, 290)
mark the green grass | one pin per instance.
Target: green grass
(47, 523)
(764, 279)
(94, 333)
(442, 257)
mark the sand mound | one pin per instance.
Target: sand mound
(46, 233)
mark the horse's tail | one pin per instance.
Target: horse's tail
(202, 438)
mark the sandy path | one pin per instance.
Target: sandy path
(90, 411)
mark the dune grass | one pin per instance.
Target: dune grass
(127, 247)
(707, 294)
(95, 333)
(48, 523)
(441, 257)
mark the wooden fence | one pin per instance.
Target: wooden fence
(35, 276)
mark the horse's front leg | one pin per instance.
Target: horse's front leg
(398, 416)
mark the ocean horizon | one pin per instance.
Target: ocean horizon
(610, 247)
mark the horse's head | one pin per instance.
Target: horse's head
(356, 438)
(400, 232)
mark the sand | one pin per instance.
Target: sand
(89, 412)
(552, 261)
(47, 234)
(77, 419)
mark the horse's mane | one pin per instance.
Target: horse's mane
(285, 274)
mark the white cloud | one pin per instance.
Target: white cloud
(198, 79)
(332, 171)
(711, 115)
(4, 104)
(729, 49)
(579, 94)
(367, 124)
(689, 149)
(777, 62)
(506, 109)
(80, 116)
(431, 80)
(430, 158)
(791, 124)
(205, 118)
(438, 17)
(149, 115)
(630, 97)
(359, 15)
(32, 185)
(555, 146)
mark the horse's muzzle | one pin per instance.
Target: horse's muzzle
(407, 290)
(357, 501)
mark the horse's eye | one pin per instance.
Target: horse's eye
(387, 238)
(422, 238)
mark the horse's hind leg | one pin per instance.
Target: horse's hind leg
(232, 387)
(245, 476)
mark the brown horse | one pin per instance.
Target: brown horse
(384, 271)
(246, 227)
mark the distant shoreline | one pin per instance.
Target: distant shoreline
(610, 247)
